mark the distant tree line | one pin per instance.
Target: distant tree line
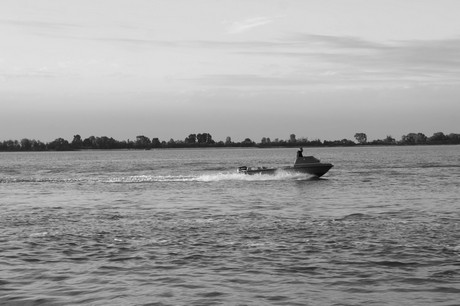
(438, 138)
(205, 140)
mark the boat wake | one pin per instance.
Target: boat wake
(207, 178)
(213, 177)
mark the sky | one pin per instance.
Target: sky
(319, 69)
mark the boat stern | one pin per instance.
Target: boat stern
(242, 169)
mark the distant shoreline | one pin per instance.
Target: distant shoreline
(199, 141)
(234, 147)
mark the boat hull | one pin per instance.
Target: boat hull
(303, 164)
(317, 170)
(314, 169)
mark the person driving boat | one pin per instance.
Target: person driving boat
(299, 153)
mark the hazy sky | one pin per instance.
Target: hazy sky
(241, 68)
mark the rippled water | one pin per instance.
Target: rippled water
(180, 227)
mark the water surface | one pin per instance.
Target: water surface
(181, 227)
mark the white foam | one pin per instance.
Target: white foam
(245, 177)
(206, 178)
(150, 178)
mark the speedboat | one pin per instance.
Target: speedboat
(303, 164)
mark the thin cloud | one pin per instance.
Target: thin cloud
(251, 80)
(342, 42)
(346, 61)
(248, 24)
(36, 24)
(432, 61)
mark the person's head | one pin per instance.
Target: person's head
(301, 149)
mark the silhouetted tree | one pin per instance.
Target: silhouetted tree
(59, 144)
(77, 143)
(191, 139)
(454, 138)
(105, 142)
(156, 143)
(247, 142)
(11, 145)
(171, 143)
(37, 145)
(90, 142)
(204, 138)
(143, 142)
(438, 137)
(26, 145)
(414, 138)
(389, 140)
(343, 142)
(302, 140)
(361, 138)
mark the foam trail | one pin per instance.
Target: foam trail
(214, 177)
(151, 178)
(205, 178)
(245, 177)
